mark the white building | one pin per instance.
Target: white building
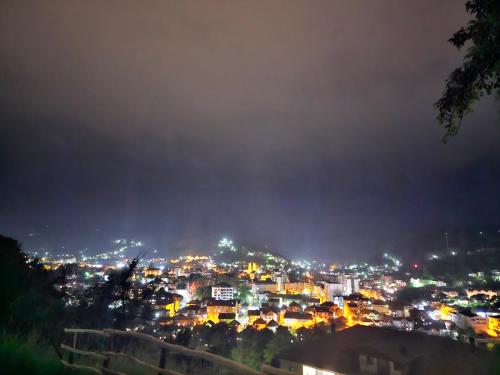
(223, 292)
(351, 285)
(280, 278)
(467, 319)
(332, 290)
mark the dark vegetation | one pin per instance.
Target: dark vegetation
(479, 74)
(19, 355)
(32, 314)
(36, 310)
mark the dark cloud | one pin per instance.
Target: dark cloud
(307, 126)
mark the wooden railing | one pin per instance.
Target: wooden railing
(102, 358)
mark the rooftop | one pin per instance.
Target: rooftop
(429, 355)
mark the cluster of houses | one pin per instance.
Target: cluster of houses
(341, 302)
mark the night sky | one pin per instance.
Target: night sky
(307, 126)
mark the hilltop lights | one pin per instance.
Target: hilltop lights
(227, 244)
(295, 291)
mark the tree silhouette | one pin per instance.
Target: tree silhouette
(479, 73)
(281, 340)
(110, 304)
(31, 302)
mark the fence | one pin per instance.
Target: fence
(116, 352)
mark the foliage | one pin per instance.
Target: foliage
(409, 294)
(183, 337)
(203, 292)
(251, 346)
(258, 346)
(479, 74)
(222, 339)
(27, 357)
(280, 341)
(243, 293)
(219, 339)
(94, 309)
(453, 268)
(31, 295)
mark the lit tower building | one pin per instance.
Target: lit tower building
(252, 267)
(280, 277)
(333, 289)
(351, 285)
(223, 292)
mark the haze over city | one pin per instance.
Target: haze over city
(228, 187)
(308, 128)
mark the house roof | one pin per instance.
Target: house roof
(267, 311)
(327, 304)
(429, 355)
(264, 282)
(398, 305)
(229, 302)
(152, 267)
(181, 317)
(222, 285)
(227, 316)
(322, 309)
(259, 321)
(467, 313)
(297, 315)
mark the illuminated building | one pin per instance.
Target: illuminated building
(445, 312)
(252, 267)
(293, 319)
(351, 285)
(381, 307)
(370, 293)
(466, 319)
(168, 301)
(264, 286)
(259, 324)
(403, 324)
(265, 276)
(152, 271)
(493, 328)
(267, 315)
(399, 309)
(302, 287)
(295, 307)
(280, 277)
(253, 315)
(350, 311)
(320, 313)
(216, 307)
(332, 290)
(223, 291)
